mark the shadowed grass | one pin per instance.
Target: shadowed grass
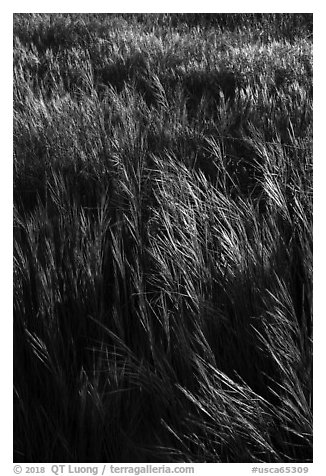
(163, 238)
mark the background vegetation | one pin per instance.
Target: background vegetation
(163, 237)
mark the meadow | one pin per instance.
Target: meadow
(162, 237)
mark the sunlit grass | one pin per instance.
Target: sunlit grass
(163, 239)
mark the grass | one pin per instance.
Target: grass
(163, 238)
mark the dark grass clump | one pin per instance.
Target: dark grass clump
(163, 238)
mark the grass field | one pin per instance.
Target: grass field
(162, 238)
